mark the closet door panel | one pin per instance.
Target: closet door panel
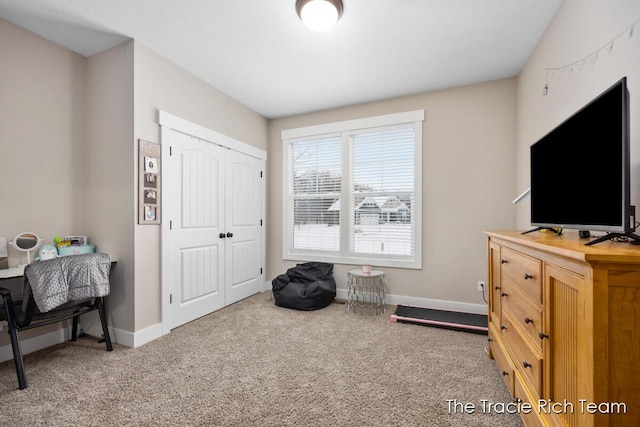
(195, 176)
(243, 202)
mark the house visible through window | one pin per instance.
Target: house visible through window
(353, 191)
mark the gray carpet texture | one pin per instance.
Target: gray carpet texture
(255, 364)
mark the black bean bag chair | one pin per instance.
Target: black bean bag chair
(308, 286)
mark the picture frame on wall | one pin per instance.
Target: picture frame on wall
(149, 182)
(151, 165)
(150, 196)
(149, 213)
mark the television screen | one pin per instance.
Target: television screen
(580, 170)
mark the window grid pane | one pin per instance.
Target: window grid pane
(383, 193)
(314, 217)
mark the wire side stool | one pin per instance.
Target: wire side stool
(366, 292)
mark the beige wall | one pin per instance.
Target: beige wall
(111, 183)
(469, 182)
(578, 30)
(42, 137)
(161, 85)
(42, 141)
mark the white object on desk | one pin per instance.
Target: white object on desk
(26, 242)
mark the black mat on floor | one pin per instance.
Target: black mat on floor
(459, 321)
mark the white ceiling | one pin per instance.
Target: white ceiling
(259, 53)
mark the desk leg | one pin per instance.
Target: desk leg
(15, 341)
(74, 329)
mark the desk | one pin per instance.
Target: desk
(365, 292)
(85, 291)
(17, 273)
(13, 272)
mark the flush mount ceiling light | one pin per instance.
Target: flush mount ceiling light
(319, 15)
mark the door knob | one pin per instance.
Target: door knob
(222, 235)
(229, 234)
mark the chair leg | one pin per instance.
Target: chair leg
(103, 320)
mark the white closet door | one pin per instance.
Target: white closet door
(196, 248)
(243, 202)
(212, 233)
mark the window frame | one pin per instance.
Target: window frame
(346, 129)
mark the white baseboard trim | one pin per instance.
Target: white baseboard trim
(419, 302)
(144, 336)
(126, 338)
(428, 303)
(37, 343)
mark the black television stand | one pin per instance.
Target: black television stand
(633, 238)
(558, 231)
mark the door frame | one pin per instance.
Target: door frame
(171, 123)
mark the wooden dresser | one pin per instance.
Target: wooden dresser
(564, 327)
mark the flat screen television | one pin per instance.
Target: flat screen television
(580, 170)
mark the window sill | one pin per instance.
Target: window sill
(335, 259)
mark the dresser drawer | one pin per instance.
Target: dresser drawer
(524, 312)
(531, 417)
(503, 361)
(523, 271)
(527, 361)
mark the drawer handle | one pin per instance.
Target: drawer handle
(503, 327)
(490, 339)
(505, 373)
(527, 276)
(503, 261)
(497, 288)
(543, 336)
(504, 294)
(528, 320)
(526, 364)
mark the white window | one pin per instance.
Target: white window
(352, 191)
